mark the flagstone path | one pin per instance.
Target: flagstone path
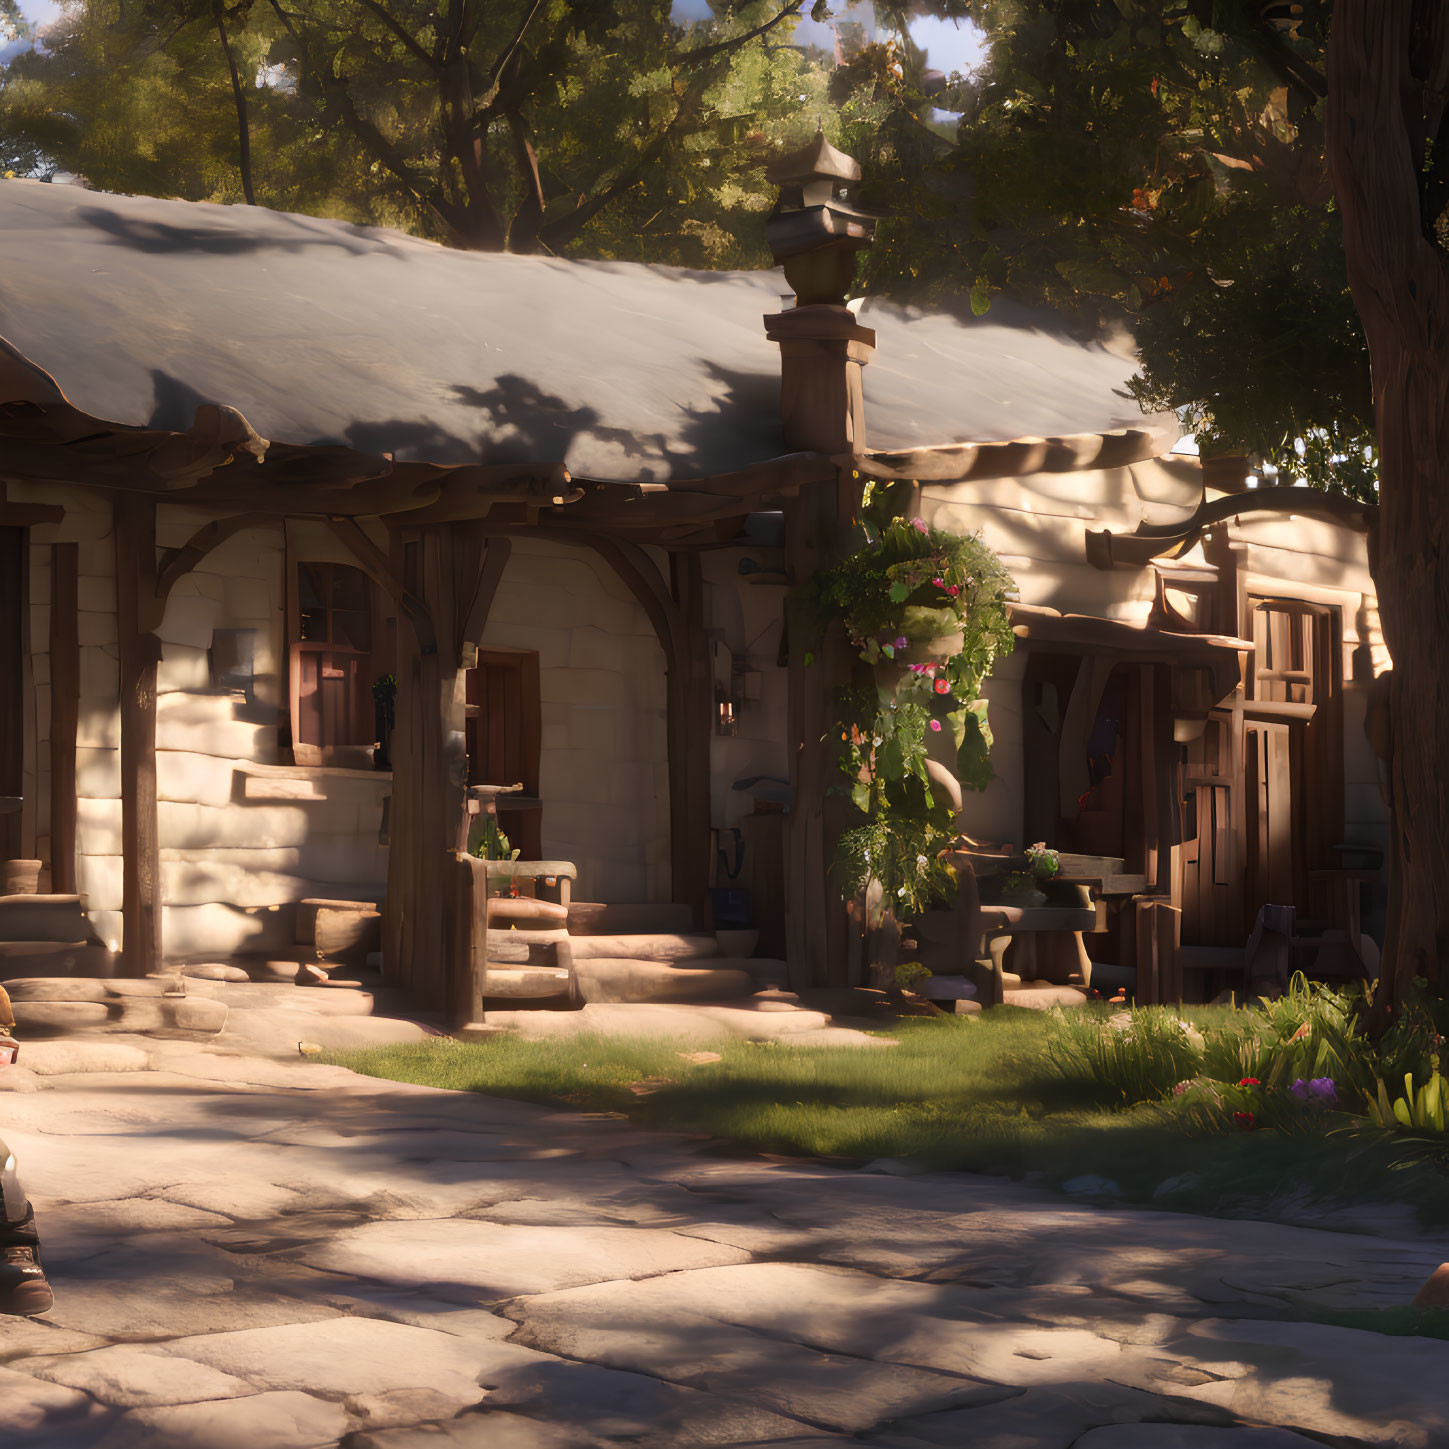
(252, 1250)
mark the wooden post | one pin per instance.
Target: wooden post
(137, 616)
(691, 731)
(817, 923)
(440, 574)
(64, 711)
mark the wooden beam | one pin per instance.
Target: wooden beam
(177, 562)
(137, 616)
(380, 568)
(475, 618)
(64, 713)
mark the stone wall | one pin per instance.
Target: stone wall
(604, 771)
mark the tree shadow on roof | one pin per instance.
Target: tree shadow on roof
(226, 238)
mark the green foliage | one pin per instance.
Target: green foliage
(595, 127)
(1158, 166)
(910, 974)
(1129, 1057)
(964, 1093)
(493, 844)
(925, 612)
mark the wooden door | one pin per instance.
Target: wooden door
(504, 739)
(1211, 857)
(1262, 792)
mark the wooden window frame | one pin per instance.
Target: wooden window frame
(356, 755)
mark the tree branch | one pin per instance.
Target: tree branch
(728, 47)
(410, 42)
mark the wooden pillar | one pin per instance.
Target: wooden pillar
(138, 614)
(445, 586)
(64, 710)
(691, 732)
(817, 926)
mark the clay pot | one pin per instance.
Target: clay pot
(20, 877)
(340, 930)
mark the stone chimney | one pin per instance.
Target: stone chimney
(815, 233)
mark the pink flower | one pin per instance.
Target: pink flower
(919, 524)
(936, 726)
(938, 583)
(953, 589)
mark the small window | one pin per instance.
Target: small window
(332, 663)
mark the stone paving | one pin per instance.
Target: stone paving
(252, 1250)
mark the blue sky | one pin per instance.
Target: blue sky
(948, 46)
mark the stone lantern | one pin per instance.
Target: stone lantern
(815, 234)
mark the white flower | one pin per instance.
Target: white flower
(1120, 1020)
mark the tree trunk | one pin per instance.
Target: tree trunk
(243, 126)
(1387, 65)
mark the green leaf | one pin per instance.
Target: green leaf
(899, 592)
(980, 297)
(973, 759)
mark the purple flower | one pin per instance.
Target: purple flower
(1320, 1091)
(902, 642)
(936, 726)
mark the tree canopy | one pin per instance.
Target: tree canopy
(530, 125)
(1156, 164)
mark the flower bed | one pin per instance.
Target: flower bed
(1301, 1063)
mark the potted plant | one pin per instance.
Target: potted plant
(924, 612)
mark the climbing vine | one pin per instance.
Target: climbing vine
(925, 613)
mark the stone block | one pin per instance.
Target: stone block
(39, 576)
(96, 594)
(98, 724)
(184, 777)
(98, 880)
(36, 917)
(209, 731)
(96, 557)
(194, 880)
(98, 774)
(583, 686)
(100, 671)
(186, 826)
(183, 667)
(218, 930)
(40, 666)
(189, 622)
(108, 925)
(613, 979)
(94, 627)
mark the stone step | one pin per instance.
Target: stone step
(613, 979)
(45, 918)
(121, 1014)
(54, 958)
(589, 918)
(658, 946)
(526, 982)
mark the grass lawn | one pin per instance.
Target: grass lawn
(957, 1093)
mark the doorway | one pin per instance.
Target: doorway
(503, 732)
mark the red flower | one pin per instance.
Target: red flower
(1245, 1120)
(943, 686)
(1249, 1082)
(953, 589)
